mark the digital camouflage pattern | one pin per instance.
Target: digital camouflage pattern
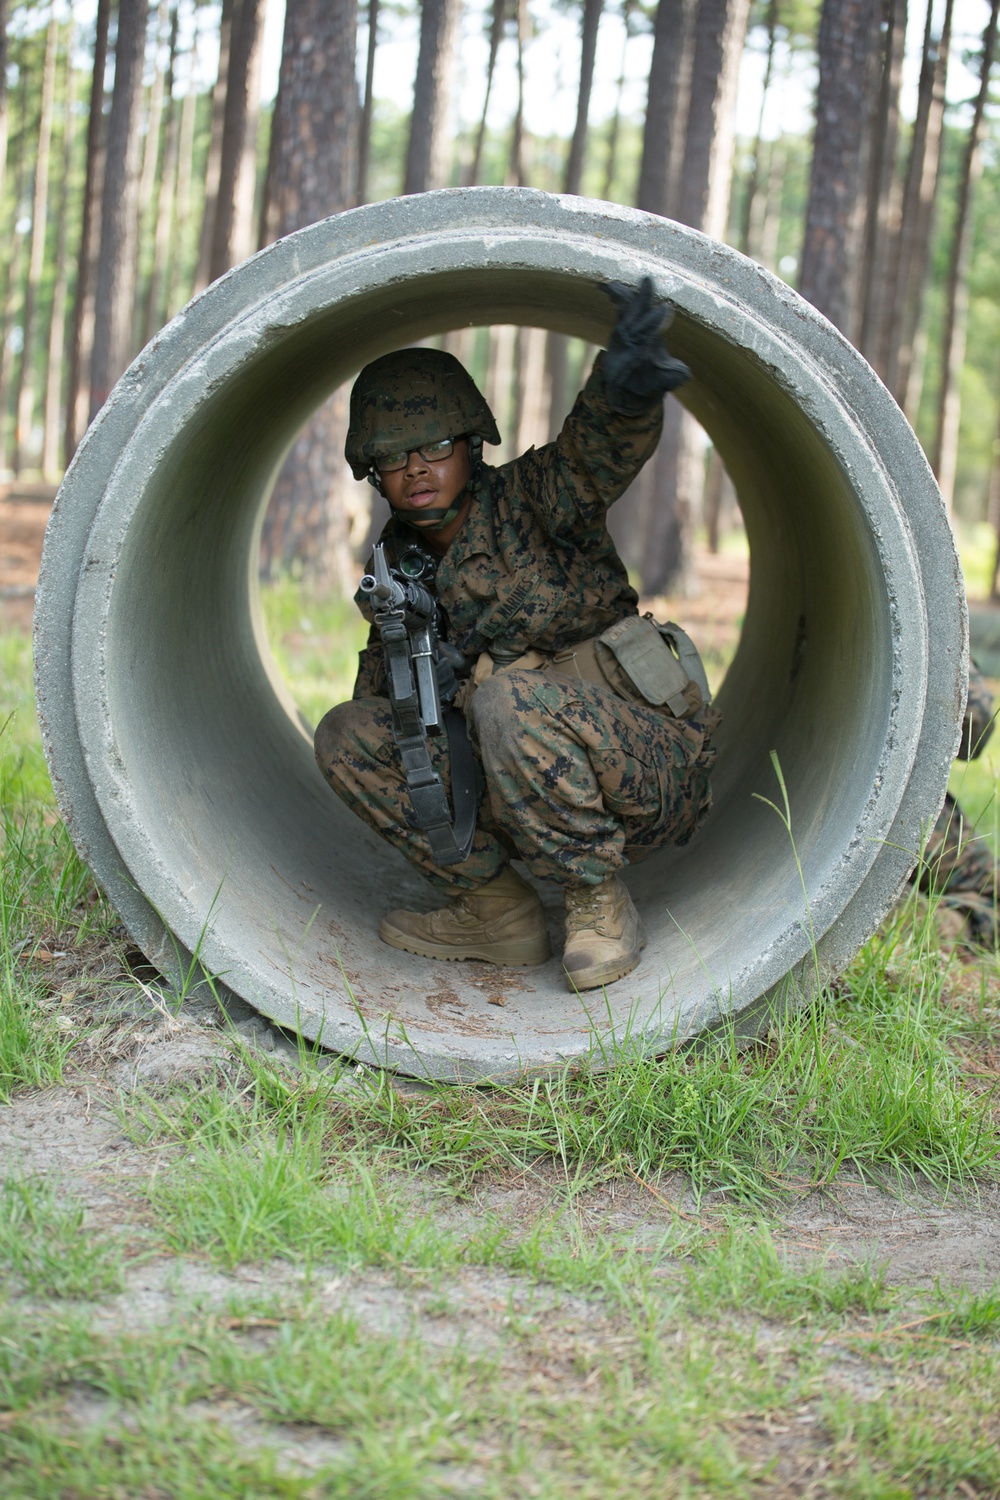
(573, 779)
(412, 397)
(959, 865)
(977, 726)
(534, 564)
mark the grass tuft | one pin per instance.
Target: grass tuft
(744, 1268)
(45, 1242)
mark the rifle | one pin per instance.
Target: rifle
(421, 674)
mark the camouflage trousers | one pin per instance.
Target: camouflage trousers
(572, 779)
(959, 866)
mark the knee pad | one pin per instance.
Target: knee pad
(493, 711)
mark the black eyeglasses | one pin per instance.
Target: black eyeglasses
(388, 463)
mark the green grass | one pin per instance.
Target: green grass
(45, 889)
(542, 1408)
(315, 641)
(46, 1242)
(864, 1079)
(282, 1165)
(742, 1267)
(46, 893)
(408, 1420)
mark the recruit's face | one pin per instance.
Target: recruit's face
(424, 484)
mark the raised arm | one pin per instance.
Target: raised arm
(615, 422)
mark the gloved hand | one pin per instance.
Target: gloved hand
(637, 368)
(449, 666)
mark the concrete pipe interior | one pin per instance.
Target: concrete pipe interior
(184, 772)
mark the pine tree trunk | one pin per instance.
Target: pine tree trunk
(115, 294)
(923, 172)
(706, 182)
(770, 222)
(153, 119)
(589, 26)
(496, 36)
(666, 105)
(213, 161)
(956, 292)
(4, 109)
(754, 179)
(668, 98)
(51, 467)
(516, 173)
(884, 206)
(12, 292)
(82, 330)
(232, 234)
(703, 195)
(24, 403)
(176, 292)
(156, 311)
(831, 251)
(556, 350)
(714, 480)
(427, 154)
(532, 397)
(500, 385)
(614, 129)
(365, 129)
(312, 172)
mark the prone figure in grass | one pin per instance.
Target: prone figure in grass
(589, 730)
(959, 866)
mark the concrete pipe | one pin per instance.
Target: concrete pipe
(187, 778)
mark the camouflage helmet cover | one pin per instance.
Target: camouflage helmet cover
(410, 397)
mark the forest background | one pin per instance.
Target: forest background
(851, 147)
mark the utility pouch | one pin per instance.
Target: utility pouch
(659, 663)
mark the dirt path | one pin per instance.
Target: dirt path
(543, 1339)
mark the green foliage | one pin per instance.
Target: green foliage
(315, 639)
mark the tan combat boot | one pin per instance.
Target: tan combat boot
(604, 935)
(500, 923)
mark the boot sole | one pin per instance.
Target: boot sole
(599, 975)
(526, 953)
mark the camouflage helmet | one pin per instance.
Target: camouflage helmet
(411, 397)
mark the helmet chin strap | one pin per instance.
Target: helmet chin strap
(438, 517)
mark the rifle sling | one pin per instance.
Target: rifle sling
(450, 842)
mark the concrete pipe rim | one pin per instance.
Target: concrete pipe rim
(180, 795)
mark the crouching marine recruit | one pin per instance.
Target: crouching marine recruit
(511, 703)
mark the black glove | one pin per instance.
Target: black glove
(637, 368)
(449, 666)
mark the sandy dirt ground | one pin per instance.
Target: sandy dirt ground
(24, 513)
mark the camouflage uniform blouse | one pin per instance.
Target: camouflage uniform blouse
(534, 564)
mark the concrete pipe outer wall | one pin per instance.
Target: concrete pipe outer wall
(187, 779)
